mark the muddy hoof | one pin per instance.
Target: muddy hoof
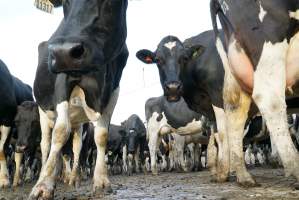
(248, 184)
(42, 191)
(296, 186)
(4, 182)
(74, 181)
(102, 185)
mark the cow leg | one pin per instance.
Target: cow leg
(153, 144)
(212, 156)
(4, 180)
(179, 146)
(236, 113)
(124, 158)
(18, 160)
(191, 163)
(223, 148)
(269, 96)
(67, 168)
(136, 159)
(130, 164)
(197, 158)
(44, 188)
(45, 143)
(77, 146)
(100, 177)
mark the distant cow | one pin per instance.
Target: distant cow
(136, 144)
(77, 81)
(164, 118)
(13, 92)
(28, 135)
(260, 58)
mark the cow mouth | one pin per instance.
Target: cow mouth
(173, 98)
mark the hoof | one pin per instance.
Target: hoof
(44, 191)
(296, 186)
(4, 182)
(102, 185)
(74, 181)
(249, 183)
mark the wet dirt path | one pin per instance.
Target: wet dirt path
(196, 185)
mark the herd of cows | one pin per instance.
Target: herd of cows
(226, 92)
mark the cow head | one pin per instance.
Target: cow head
(171, 57)
(91, 34)
(27, 125)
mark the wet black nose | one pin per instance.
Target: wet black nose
(66, 56)
(173, 87)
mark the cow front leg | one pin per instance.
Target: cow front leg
(124, 158)
(100, 177)
(4, 176)
(77, 146)
(18, 160)
(212, 155)
(44, 188)
(136, 159)
(45, 143)
(153, 144)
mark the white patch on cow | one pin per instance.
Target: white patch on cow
(224, 6)
(4, 181)
(262, 13)
(294, 15)
(124, 158)
(269, 96)
(170, 45)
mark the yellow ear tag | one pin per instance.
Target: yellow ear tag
(44, 5)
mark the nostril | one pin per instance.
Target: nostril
(77, 51)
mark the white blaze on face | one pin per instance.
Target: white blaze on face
(294, 15)
(262, 13)
(170, 44)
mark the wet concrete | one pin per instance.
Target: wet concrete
(177, 186)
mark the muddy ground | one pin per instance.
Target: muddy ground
(193, 185)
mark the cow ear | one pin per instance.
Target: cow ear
(195, 51)
(146, 56)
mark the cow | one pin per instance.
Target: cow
(260, 58)
(13, 92)
(136, 144)
(164, 118)
(193, 70)
(28, 133)
(77, 81)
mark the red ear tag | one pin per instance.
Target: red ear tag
(148, 59)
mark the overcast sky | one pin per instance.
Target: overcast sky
(23, 27)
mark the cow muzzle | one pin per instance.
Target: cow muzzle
(67, 57)
(173, 91)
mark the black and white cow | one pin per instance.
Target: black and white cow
(77, 81)
(193, 69)
(13, 92)
(136, 145)
(260, 58)
(28, 132)
(164, 118)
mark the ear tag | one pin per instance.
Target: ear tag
(44, 5)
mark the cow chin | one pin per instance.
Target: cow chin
(173, 98)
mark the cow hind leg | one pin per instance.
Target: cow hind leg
(4, 176)
(44, 188)
(269, 96)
